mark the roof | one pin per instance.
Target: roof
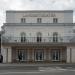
(34, 11)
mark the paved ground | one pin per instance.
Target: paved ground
(37, 69)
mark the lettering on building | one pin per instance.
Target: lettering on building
(39, 15)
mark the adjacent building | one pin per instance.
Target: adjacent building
(38, 36)
(0, 42)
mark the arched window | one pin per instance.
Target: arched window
(23, 37)
(39, 37)
(55, 37)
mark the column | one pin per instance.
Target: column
(68, 55)
(9, 55)
(33, 56)
(47, 54)
(44, 54)
(30, 54)
(61, 53)
(50, 55)
(73, 54)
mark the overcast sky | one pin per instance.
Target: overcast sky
(34, 5)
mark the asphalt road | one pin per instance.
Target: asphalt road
(51, 72)
(37, 69)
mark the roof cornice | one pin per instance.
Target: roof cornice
(34, 11)
(39, 24)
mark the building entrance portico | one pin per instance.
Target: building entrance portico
(39, 54)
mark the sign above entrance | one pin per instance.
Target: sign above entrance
(39, 15)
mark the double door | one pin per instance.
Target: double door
(22, 54)
(39, 55)
(55, 55)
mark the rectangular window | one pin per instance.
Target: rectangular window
(23, 20)
(55, 20)
(39, 20)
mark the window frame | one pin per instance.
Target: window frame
(55, 37)
(23, 37)
(55, 20)
(39, 37)
(23, 20)
(39, 20)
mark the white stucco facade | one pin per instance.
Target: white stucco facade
(64, 27)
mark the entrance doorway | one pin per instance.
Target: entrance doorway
(23, 54)
(55, 55)
(39, 55)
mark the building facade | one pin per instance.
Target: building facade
(38, 36)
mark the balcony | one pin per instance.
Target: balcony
(65, 39)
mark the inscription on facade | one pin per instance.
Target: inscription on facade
(39, 15)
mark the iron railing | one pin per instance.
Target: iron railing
(65, 39)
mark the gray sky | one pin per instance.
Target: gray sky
(34, 5)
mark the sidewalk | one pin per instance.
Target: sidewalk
(24, 64)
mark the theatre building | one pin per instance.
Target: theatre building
(38, 36)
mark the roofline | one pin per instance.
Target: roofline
(24, 11)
